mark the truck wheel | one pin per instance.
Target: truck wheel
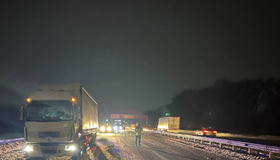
(35, 158)
(92, 142)
(75, 157)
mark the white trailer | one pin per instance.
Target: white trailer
(60, 120)
(168, 123)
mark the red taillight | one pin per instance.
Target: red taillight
(87, 140)
(214, 131)
(205, 130)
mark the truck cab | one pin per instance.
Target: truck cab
(60, 120)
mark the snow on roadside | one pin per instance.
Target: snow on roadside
(212, 149)
(12, 149)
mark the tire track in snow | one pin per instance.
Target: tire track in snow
(151, 149)
(131, 151)
(167, 149)
(144, 152)
(190, 147)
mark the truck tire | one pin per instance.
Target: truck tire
(77, 156)
(74, 157)
(92, 142)
(36, 158)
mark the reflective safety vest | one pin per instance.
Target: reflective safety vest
(138, 131)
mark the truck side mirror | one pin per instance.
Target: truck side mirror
(21, 113)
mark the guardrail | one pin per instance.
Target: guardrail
(271, 151)
(221, 134)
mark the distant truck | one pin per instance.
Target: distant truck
(168, 123)
(60, 120)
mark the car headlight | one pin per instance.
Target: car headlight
(120, 127)
(115, 127)
(70, 148)
(28, 148)
(109, 129)
(102, 129)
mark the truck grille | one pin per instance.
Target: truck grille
(48, 148)
(51, 151)
(48, 134)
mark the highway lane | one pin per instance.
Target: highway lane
(154, 147)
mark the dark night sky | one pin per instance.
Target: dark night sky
(136, 55)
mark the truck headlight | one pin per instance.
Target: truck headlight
(109, 129)
(120, 127)
(29, 148)
(70, 148)
(102, 129)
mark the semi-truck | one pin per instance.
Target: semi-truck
(168, 123)
(60, 120)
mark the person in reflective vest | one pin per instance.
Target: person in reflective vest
(138, 131)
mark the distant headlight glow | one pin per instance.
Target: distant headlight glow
(120, 127)
(102, 129)
(109, 129)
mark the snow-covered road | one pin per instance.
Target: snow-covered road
(158, 147)
(154, 146)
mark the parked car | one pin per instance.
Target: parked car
(206, 131)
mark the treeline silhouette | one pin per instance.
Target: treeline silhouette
(10, 103)
(9, 119)
(249, 106)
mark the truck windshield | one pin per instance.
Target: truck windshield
(47, 111)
